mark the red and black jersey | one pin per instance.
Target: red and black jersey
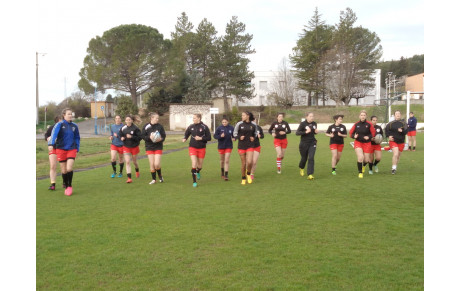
(363, 128)
(279, 126)
(135, 133)
(335, 129)
(392, 129)
(147, 130)
(248, 130)
(378, 130)
(200, 130)
(257, 141)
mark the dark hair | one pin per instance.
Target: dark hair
(280, 113)
(134, 118)
(152, 114)
(337, 116)
(198, 115)
(64, 111)
(411, 112)
(57, 118)
(373, 117)
(251, 116)
(224, 118)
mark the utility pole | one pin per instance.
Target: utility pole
(36, 80)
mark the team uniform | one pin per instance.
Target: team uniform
(336, 142)
(131, 145)
(307, 147)
(363, 128)
(224, 144)
(257, 146)
(197, 147)
(392, 130)
(246, 129)
(375, 146)
(412, 126)
(279, 140)
(153, 148)
(66, 137)
(116, 145)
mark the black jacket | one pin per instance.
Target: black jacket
(363, 128)
(280, 126)
(304, 137)
(392, 130)
(134, 131)
(149, 129)
(201, 130)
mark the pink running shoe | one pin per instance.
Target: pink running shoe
(137, 174)
(68, 191)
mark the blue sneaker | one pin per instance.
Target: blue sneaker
(120, 175)
(198, 176)
(113, 175)
(195, 184)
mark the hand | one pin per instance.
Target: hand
(234, 139)
(251, 138)
(123, 138)
(50, 148)
(400, 129)
(222, 135)
(160, 139)
(366, 137)
(282, 133)
(115, 135)
(258, 135)
(111, 137)
(274, 134)
(356, 135)
(129, 136)
(48, 139)
(308, 130)
(242, 137)
(183, 140)
(198, 138)
(391, 138)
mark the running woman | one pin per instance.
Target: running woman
(154, 150)
(307, 146)
(362, 132)
(116, 147)
(278, 130)
(199, 135)
(376, 154)
(336, 132)
(130, 134)
(246, 132)
(224, 134)
(257, 147)
(412, 131)
(396, 131)
(66, 137)
(52, 155)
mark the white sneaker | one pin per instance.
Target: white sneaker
(153, 182)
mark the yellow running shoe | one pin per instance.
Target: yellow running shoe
(302, 172)
(248, 177)
(243, 182)
(360, 175)
(310, 177)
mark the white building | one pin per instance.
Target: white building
(262, 84)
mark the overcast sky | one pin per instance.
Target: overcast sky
(64, 28)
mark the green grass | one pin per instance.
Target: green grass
(282, 232)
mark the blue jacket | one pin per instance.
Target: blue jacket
(226, 141)
(116, 141)
(412, 124)
(65, 136)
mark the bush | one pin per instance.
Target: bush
(126, 106)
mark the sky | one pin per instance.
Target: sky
(63, 29)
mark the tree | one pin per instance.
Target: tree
(313, 43)
(283, 86)
(234, 77)
(197, 89)
(351, 60)
(129, 58)
(125, 106)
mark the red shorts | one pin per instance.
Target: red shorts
(134, 151)
(400, 146)
(224, 151)
(53, 152)
(366, 146)
(376, 148)
(412, 133)
(157, 152)
(199, 153)
(280, 143)
(115, 148)
(245, 151)
(338, 147)
(63, 155)
(257, 149)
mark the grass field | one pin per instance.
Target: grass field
(282, 232)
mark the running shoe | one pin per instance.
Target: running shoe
(113, 175)
(393, 171)
(279, 171)
(152, 182)
(68, 191)
(334, 173)
(52, 187)
(252, 177)
(370, 172)
(137, 174)
(120, 175)
(129, 180)
(248, 177)
(376, 169)
(225, 178)
(243, 182)
(310, 177)
(198, 176)
(302, 172)
(360, 175)
(195, 184)
(161, 180)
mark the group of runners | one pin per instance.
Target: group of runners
(64, 142)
